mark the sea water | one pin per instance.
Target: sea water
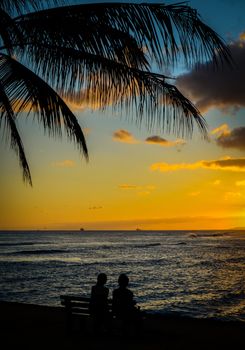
(198, 274)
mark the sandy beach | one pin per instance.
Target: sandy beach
(44, 326)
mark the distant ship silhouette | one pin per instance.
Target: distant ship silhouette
(81, 229)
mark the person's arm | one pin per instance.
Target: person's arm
(132, 300)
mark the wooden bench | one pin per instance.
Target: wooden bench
(77, 311)
(78, 317)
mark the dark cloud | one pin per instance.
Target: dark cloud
(124, 136)
(223, 88)
(163, 142)
(156, 139)
(234, 139)
(228, 164)
(234, 164)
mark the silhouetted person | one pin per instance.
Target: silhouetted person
(99, 303)
(124, 305)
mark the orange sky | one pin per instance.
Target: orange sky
(127, 183)
(136, 177)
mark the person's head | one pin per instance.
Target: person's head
(123, 280)
(101, 279)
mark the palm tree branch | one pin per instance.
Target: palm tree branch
(165, 31)
(85, 78)
(107, 41)
(20, 6)
(9, 33)
(10, 128)
(28, 92)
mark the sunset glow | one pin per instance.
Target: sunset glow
(136, 177)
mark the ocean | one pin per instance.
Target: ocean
(197, 274)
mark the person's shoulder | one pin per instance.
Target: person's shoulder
(130, 292)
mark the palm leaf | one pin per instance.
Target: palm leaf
(85, 78)
(27, 92)
(10, 36)
(7, 118)
(44, 33)
(13, 7)
(99, 53)
(165, 31)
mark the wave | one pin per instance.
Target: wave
(37, 252)
(236, 260)
(228, 298)
(123, 246)
(16, 244)
(147, 245)
(223, 261)
(208, 234)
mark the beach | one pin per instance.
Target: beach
(37, 326)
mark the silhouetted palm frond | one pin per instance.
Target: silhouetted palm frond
(153, 99)
(10, 36)
(45, 34)
(91, 75)
(7, 121)
(14, 7)
(164, 31)
(27, 92)
(103, 54)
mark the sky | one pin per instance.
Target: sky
(136, 178)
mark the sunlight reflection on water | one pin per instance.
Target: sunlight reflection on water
(198, 274)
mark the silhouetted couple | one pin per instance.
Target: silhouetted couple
(123, 305)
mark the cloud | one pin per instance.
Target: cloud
(124, 136)
(232, 138)
(86, 99)
(144, 193)
(232, 196)
(157, 140)
(67, 163)
(222, 88)
(240, 183)
(141, 190)
(223, 129)
(228, 164)
(227, 138)
(242, 36)
(128, 187)
(194, 194)
(216, 183)
(95, 208)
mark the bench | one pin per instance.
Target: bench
(77, 311)
(78, 317)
